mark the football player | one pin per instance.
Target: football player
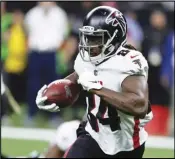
(114, 76)
(65, 137)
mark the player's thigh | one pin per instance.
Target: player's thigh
(137, 153)
(84, 147)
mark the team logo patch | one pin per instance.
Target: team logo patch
(88, 28)
(137, 61)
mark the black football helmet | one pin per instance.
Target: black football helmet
(104, 31)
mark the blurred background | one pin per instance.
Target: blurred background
(39, 42)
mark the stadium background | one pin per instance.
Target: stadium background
(149, 26)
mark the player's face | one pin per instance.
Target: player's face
(95, 43)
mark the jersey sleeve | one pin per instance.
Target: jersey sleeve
(79, 65)
(134, 64)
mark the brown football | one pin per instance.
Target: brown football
(63, 92)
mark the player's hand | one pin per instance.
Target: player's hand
(89, 81)
(40, 101)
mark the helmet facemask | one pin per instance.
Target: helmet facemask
(94, 46)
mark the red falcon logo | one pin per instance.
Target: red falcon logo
(112, 19)
(116, 18)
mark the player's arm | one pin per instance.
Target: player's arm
(72, 77)
(133, 99)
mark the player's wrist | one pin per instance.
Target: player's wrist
(96, 91)
(97, 86)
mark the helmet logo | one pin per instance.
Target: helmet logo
(112, 18)
(116, 18)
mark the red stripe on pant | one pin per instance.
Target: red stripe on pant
(136, 138)
(65, 154)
